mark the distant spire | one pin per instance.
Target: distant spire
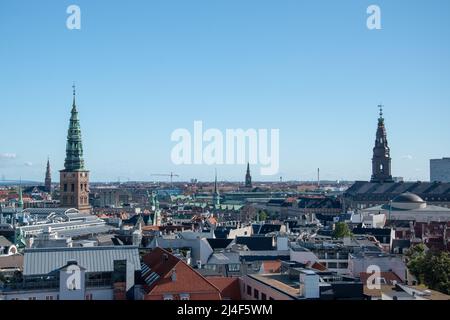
(381, 160)
(216, 195)
(215, 183)
(20, 202)
(48, 177)
(248, 177)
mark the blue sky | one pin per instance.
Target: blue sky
(145, 68)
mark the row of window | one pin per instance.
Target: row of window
(256, 294)
(88, 297)
(183, 296)
(83, 174)
(232, 267)
(83, 186)
(83, 200)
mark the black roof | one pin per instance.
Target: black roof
(267, 228)
(256, 243)
(389, 190)
(222, 232)
(373, 231)
(314, 203)
(348, 290)
(219, 243)
(401, 243)
(134, 219)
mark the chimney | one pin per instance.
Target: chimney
(174, 275)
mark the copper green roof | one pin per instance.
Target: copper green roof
(74, 148)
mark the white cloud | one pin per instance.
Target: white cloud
(8, 155)
(407, 157)
(28, 164)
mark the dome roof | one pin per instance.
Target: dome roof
(408, 197)
(408, 201)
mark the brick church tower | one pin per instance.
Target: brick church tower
(381, 160)
(74, 178)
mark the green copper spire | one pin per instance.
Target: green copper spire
(20, 201)
(74, 148)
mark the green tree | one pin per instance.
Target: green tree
(262, 215)
(341, 230)
(430, 268)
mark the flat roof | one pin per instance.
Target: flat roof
(279, 282)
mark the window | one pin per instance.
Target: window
(234, 267)
(89, 296)
(184, 296)
(49, 298)
(168, 297)
(263, 296)
(256, 294)
(343, 265)
(212, 267)
(65, 187)
(249, 290)
(32, 298)
(72, 187)
(332, 265)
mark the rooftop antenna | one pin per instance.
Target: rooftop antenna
(318, 177)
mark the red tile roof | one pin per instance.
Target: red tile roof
(229, 287)
(318, 266)
(187, 280)
(271, 266)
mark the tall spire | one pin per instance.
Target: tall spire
(48, 177)
(20, 200)
(381, 160)
(248, 177)
(74, 148)
(215, 182)
(157, 215)
(216, 194)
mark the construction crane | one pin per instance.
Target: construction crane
(171, 175)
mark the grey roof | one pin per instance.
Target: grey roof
(47, 211)
(94, 230)
(408, 197)
(95, 259)
(224, 258)
(4, 242)
(428, 208)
